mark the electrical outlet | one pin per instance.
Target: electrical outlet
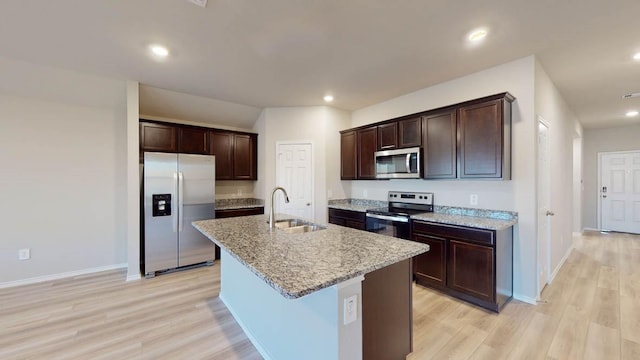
(473, 199)
(350, 309)
(24, 254)
(329, 194)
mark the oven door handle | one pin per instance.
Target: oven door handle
(390, 218)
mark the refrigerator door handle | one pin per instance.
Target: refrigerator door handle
(175, 190)
(181, 201)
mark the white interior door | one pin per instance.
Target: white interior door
(294, 172)
(620, 191)
(544, 204)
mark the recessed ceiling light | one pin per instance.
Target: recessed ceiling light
(632, 113)
(159, 51)
(636, 56)
(477, 34)
(328, 98)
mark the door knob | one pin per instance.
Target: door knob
(308, 204)
(550, 213)
(604, 196)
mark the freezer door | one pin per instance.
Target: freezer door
(161, 230)
(196, 174)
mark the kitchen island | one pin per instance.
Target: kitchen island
(301, 295)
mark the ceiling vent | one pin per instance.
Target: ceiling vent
(630, 95)
(202, 3)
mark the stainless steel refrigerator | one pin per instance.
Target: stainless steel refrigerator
(178, 189)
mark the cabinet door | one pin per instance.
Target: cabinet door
(471, 270)
(221, 145)
(192, 140)
(439, 137)
(367, 146)
(348, 156)
(388, 136)
(158, 137)
(431, 267)
(244, 157)
(410, 132)
(481, 140)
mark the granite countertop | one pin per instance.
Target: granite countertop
(472, 217)
(242, 203)
(356, 204)
(299, 264)
(470, 221)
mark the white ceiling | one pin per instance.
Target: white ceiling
(271, 53)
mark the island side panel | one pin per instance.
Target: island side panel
(387, 312)
(310, 327)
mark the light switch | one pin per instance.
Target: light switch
(350, 309)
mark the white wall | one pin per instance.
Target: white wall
(516, 77)
(563, 127)
(318, 124)
(602, 140)
(64, 183)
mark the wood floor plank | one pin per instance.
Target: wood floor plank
(630, 350)
(602, 343)
(590, 310)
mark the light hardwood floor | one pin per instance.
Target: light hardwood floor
(590, 311)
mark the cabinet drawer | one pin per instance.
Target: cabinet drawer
(480, 236)
(347, 214)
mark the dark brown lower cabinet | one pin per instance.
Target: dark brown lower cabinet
(386, 313)
(226, 213)
(431, 267)
(475, 265)
(348, 218)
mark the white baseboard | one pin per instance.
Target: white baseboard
(557, 269)
(39, 279)
(526, 299)
(590, 229)
(134, 277)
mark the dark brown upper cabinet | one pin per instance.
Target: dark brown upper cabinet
(439, 131)
(410, 132)
(348, 155)
(484, 129)
(193, 140)
(245, 162)
(469, 140)
(158, 137)
(367, 145)
(222, 148)
(388, 136)
(236, 155)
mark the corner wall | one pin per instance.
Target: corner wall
(563, 128)
(64, 146)
(623, 138)
(516, 77)
(318, 124)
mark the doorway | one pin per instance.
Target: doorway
(619, 191)
(544, 204)
(294, 172)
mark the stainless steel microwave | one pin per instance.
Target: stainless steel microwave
(398, 164)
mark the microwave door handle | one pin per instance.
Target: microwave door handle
(409, 163)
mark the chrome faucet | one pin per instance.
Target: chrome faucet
(272, 222)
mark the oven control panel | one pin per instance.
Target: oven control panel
(411, 197)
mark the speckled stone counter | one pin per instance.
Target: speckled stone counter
(477, 218)
(245, 203)
(299, 264)
(356, 204)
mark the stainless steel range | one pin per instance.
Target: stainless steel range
(394, 219)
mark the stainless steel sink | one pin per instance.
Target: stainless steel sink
(294, 226)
